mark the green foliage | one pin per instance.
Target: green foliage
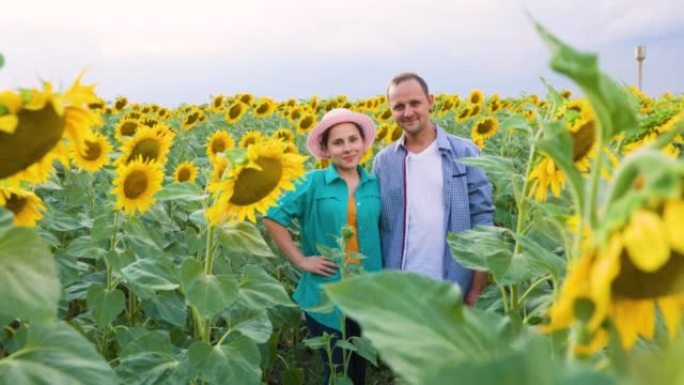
(29, 285)
(55, 354)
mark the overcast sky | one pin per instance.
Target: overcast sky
(171, 52)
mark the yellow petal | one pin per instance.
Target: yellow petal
(646, 241)
(671, 308)
(8, 123)
(673, 217)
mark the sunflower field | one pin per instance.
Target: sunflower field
(132, 249)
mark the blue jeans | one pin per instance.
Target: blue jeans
(357, 364)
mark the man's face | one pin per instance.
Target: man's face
(410, 106)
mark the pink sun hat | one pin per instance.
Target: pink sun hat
(334, 117)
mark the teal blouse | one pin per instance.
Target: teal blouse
(319, 203)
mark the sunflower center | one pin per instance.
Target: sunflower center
(235, 111)
(249, 141)
(129, 128)
(36, 134)
(15, 203)
(583, 140)
(93, 150)
(184, 174)
(135, 184)
(148, 148)
(253, 185)
(217, 102)
(637, 284)
(218, 146)
(485, 127)
(192, 118)
(262, 108)
(306, 123)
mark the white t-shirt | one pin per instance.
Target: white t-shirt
(425, 228)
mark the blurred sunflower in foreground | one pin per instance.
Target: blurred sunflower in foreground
(633, 263)
(255, 184)
(34, 125)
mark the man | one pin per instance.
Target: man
(427, 193)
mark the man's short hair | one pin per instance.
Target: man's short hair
(404, 76)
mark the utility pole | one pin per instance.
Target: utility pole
(640, 56)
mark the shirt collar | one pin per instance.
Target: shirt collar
(331, 174)
(442, 140)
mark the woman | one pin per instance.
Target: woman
(343, 194)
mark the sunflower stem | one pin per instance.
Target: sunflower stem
(113, 249)
(588, 218)
(209, 255)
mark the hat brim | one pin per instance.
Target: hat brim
(333, 118)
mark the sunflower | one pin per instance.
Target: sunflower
(146, 144)
(185, 172)
(248, 99)
(476, 97)
(463, 115)
(264, 108)
(384, 115)
(383, 130)
(475, 109)
(640, 267)
(235, 112)
(120, 104)
(94, 154)
(484, 129)
(219, 142)
(306, 123)
(194, 116)
(546, 175)
(251, 137)
(396, 133)
(25, 205)
(217, 103)
(126, 128)
(35, 124)
(135, 184)
(255, 184)
(220, 165)
(284, 134)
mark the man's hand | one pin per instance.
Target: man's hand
(317, 265)
(479, 282)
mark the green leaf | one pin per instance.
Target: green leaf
(494, 166)
(84, 247)
(417, 323)
(105, 304)
(56, 354)
(151, 368)
(103, 228)
(538, 260)
(251, 323)
(365, 349)
(244, 238)
(60, 221)
(608, 100)
(189, 192)
(29, 283)
(6, 220)
(209, 293)
(234, 362)
(485, 248)
(259, 290)
(2, 60)
(150, 275)
(166, 306)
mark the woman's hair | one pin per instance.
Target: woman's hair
(326, 133)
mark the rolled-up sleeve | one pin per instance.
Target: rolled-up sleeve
(291, 204)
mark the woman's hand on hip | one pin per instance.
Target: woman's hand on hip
(317, 265)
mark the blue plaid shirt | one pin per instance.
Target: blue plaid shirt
(467, 199)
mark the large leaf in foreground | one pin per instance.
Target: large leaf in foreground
(416, 323)
(29, 284)
(56, 354)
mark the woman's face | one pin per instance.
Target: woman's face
(345, 146)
